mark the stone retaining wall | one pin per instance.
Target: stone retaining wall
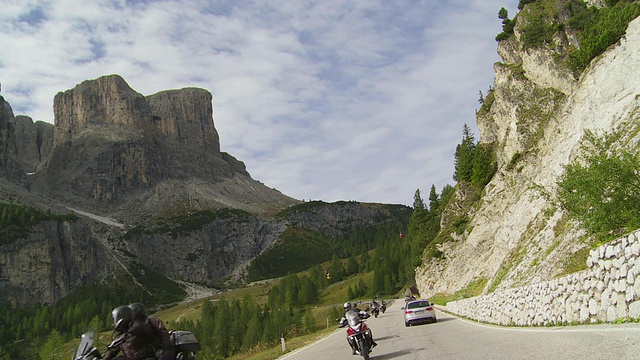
(605, 292)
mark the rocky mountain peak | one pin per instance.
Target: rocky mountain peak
(107, 100)
(185, 116)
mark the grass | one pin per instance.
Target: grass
(270, 353)
(474, 288)
(337, 293)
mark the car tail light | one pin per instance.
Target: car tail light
(409, 312)
(429, 308)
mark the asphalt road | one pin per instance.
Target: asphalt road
(455, 338)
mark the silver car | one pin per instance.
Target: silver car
(419, 311)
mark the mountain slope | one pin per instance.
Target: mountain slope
(536, 118)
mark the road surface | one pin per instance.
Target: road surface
(455, 338)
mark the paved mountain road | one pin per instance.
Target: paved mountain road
(454, 338)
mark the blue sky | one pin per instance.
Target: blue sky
(328, 100)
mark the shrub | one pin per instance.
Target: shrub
(602, 191)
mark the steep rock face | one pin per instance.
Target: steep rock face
(23, 144)
(34, 142)
(9, 168)
(517, 234)
(51, 263)
(330, 219)
(104, 101)
(209, 254)
(185, 116)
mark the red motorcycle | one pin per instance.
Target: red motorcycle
(358, 333)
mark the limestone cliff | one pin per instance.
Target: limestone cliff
(536, 117)
(25, 144)
(113, 145)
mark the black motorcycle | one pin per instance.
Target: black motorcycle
(375, 309)
(383, 307)
(185, 342)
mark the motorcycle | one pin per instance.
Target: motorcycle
(358, 333)
(383, 307)
(86, 350)
(185, 342)
(375, 309)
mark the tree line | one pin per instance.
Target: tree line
(17, 221)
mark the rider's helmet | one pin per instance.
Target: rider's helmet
(347, 306)
(122, 316)
(139, 311)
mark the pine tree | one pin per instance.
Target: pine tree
(434, 200)
(484, 165)
(337, 270)
(418, 203)
(53, 347)
(352, 265)
(221, 332)
(463, 157)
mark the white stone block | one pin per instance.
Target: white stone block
(598, 273)
(594, 307)
(622, 309)
(635, 247)
(614, 273)
(623, 270)
(584, 313)
(634, 310)
(609, 252)
(611, 314)
(629, 296)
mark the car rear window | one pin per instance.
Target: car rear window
(418, 304)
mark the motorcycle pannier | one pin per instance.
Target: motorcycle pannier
(185, 341)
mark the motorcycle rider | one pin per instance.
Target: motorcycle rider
(164, 349)
(363, 315)
(375, 306)
(135, 339)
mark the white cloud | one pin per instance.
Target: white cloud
(333, 99)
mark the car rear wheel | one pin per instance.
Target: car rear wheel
(406, 324)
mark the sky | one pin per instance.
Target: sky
(357, 100)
